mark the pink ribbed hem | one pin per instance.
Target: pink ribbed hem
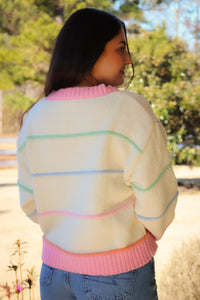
(75, 93)
(103, 263)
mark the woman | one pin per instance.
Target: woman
(94, 170)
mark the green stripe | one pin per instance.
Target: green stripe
(74, 135)
(22, 146)
(154, 183)
(23, 187)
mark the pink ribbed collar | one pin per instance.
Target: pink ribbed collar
(74, 93)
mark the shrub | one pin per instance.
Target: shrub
(167, 74)
(180, 280)
(22, 284)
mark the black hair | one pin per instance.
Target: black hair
(78, 46)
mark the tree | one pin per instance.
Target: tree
(14, 13)
(172, 88)
(194, 25)
(197, 29)
(187, 13)
(178, 9)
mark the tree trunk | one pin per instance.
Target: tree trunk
(197, 30)
(177, 18)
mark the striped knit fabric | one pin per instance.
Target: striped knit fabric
(95, 173)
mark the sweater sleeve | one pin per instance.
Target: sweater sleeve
(25, 182)
(154, 183)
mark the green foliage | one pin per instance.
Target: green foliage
(189, 155)
(49, 7)
(14, 104)
(14, 13)
(17, 101)
(167, 74)
(131, 9)
(25, 57)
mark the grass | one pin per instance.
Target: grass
(181, 278)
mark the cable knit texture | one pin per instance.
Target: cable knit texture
(95, 173)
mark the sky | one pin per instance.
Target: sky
(168, 15)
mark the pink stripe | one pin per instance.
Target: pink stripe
(75, 93)
(64, 212)
(103, 263)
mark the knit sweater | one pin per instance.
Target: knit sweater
(95, 173)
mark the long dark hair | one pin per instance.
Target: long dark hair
(79, 44)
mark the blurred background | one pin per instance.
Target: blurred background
(164, 38)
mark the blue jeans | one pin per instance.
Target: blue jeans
(138, 284)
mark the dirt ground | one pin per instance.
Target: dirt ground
(15, 225)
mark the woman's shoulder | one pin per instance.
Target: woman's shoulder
(137, 102)
(31, 116)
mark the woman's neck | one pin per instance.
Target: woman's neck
(88, 81)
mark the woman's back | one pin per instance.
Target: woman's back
(85, 146)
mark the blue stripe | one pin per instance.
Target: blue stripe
(32, 214)
(156, 218)
(77, 173)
